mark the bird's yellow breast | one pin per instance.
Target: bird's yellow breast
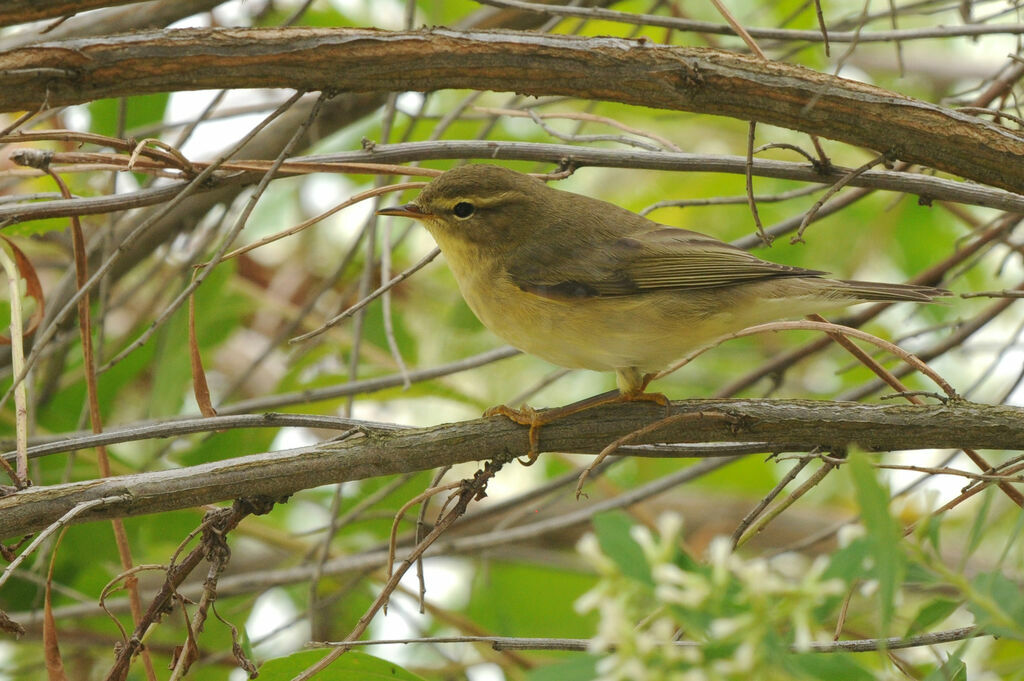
(646, 331)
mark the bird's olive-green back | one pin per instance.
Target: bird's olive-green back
(557, 243)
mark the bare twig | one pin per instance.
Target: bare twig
(471, 489)
(738, 28)
(761, 33)
(584, 644)
(61, 522)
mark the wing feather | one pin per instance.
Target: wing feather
(659, 258)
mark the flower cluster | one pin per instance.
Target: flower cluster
(675, 620)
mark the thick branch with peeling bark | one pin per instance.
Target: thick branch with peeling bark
(799, 424)
(628, 71)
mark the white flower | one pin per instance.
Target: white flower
(724, 627)
(692, 654)
(801, 631)
(760, 579)
(744, 657)
(848, 533)
(590, 549)
(697, 674)
(674, 585)
(670, 527)
(719, 554)
(790, 563)
(591, 600)
(663, 628)
(648, 544)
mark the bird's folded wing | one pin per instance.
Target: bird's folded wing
(660, 259)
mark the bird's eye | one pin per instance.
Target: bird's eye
(463, 209)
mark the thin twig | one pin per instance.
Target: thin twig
(898, 385)
(1005, 293)
(585, 644)
(739, 29)
(20, 477)
(295, 229)
(665, 142)
(813, 36)
(934, 188)
(180, 194)
(369, 298)
(842, 182)
(422, 496)
(472, 489)
(775, 512)
(752, 515)
(74, 512)
(825, 327)
(821, 26)
(731, 200)
(749, 180)
(649, 428)
(233, 232)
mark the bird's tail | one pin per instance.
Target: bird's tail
(869, 291)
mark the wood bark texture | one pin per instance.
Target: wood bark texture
(794, 425)
(629, 71)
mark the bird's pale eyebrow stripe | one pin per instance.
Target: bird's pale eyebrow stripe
(496, 199)
(481, 201)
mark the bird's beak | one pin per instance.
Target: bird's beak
(409, 210)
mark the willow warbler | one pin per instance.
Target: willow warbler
(586, 284)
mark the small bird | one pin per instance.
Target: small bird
(586, 284)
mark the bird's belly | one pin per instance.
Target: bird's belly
(646, 331)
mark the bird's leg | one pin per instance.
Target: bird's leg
(527, 416)
(640, 394)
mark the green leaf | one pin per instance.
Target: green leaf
(931, 614)
(826, 666)
(953, 669)
(547, 597)
(685, 562)
(932, 529)
(919, 574)
(847, 563)
(998, 607)
(578, 668)
(139, 110)
(978, 527)
(1011, 539)
(352, 666)
(612, 531)
(884, 536)
(34, 227)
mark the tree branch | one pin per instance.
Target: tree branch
(926, 187)
(22, 11)
(801, 424)
(787, 34)
(627, 71)
(584, 644)
(142, 15)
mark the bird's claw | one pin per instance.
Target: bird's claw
(527, 416)
(641, 396)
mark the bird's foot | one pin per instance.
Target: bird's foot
(528, 416)
(641, 396)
